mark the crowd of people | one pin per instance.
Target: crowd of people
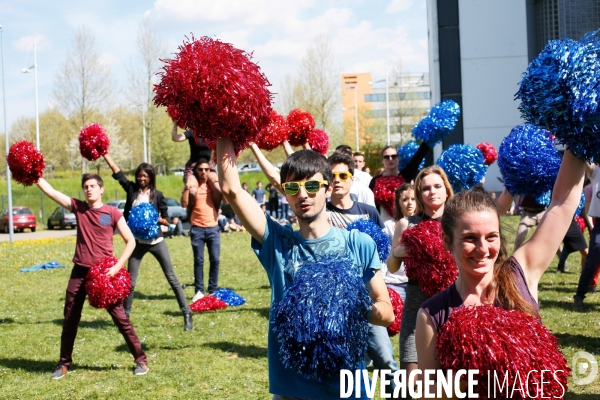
(323, 195)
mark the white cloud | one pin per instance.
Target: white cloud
(25, 43)
(399, 6)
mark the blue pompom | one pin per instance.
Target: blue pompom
(406, 153)
(528, 161)
(581, 205)
(560, 91)
(382, 240)
(229, 297)
(143, 221)
(321, 322)
(464, 165)
(544, 198)
(440, 122)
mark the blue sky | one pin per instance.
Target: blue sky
(364, 34)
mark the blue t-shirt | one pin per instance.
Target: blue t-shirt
(259, 194)
(342, 218)
(281, 253)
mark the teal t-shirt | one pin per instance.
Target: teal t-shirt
(281, 253)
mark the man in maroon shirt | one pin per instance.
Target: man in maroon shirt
(96, 223)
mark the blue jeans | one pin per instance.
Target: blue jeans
(285, 210)
(591, 262)
(212, 238)
(380, 350)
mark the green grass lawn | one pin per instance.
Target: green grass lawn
(224, 357)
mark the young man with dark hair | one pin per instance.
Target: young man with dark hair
(305, 177)
(96, 223)
(203, 202)
(342, 211)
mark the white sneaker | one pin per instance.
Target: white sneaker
(197, 297)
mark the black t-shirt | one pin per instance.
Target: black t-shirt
(273, 194)
(197, 150)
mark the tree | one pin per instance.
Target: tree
(82, 87)
(141, 79)
(316, 88)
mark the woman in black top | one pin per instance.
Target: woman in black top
(143, 190)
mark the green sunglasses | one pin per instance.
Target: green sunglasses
(311, 187)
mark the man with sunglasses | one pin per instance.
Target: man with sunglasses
(359, 191)
(305, 178)
(203, 202)
(389, 157)
(342, 209)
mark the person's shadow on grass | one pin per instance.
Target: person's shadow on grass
(43, 366)
(237, 350)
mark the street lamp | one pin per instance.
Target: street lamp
(37, 118)
(387, 103)
(355, 114)
(143, 129)
(11, 229)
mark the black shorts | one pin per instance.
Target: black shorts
(574, 239)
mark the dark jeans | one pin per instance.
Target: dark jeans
(273, 206)
(591, 262)
(74, 300)
(160, 251)
(285, 211)
(212, 238)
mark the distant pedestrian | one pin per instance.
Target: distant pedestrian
(259, 193)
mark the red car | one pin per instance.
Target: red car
(22, 218)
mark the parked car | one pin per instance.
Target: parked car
(62, 218)
(175, 209)
(249, 167)
(120, 204)
(22, 218)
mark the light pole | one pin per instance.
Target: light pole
(8, 183)
(387, 104)
(37, 115)
(355, 115)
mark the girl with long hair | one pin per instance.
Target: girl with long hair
(143, 190)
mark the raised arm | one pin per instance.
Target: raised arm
(381, 311)
(129, 246)
(217, 194)
(62, 199)
(504, 202)
(266, 166)
(111, 164)
(536, 254)
(288, 149)
(177, 137)
(246, 208)
(398, 250)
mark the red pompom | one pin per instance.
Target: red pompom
(208, 303)
(490, 338)
(274, 134)
(214, 89)
(384, 189)
(490, 155)
(319, 141)
(428, 262)
(103, 290)
(93, 142)
(581, 222)
(398, 307)
(26, 163)
(174, 114)
(301, 125)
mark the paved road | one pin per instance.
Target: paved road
(4, 237)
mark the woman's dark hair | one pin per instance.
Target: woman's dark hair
(502, 289)
(303, 164)
(401, 189)
(148, 169)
